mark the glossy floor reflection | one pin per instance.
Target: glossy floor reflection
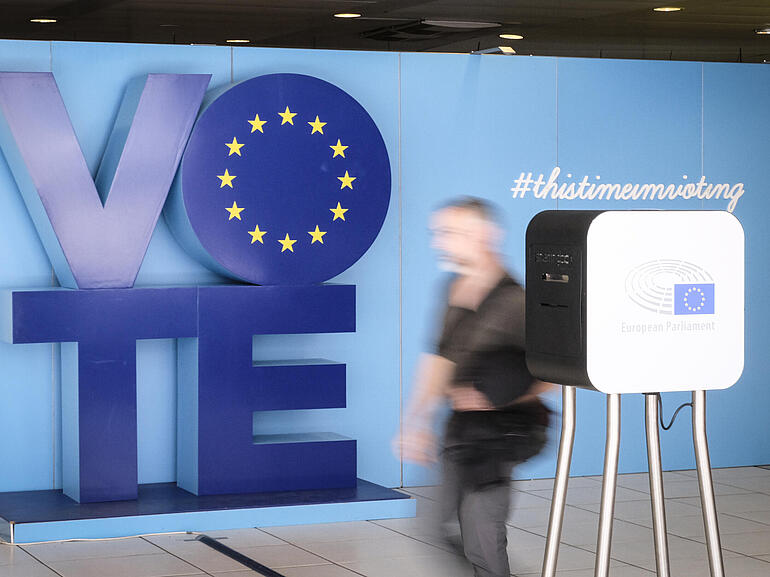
(412, 548)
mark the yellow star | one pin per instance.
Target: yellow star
(257, 124)
(226, 178)
(234, 211)
(234, 147)
(256, 235)
(339, 149)
(318, 126)
(287, 243)
(287, 116)
(346, 180)
(339, 212)
(317, 235)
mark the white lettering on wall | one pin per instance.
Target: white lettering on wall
(570, 189)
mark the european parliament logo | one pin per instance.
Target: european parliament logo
(671, 287)
(694, 299)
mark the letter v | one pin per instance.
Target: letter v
(93, 244)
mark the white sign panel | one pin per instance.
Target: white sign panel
(665, 301)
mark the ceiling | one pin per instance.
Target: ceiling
(709, 30)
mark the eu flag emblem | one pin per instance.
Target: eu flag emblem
(285, 180)
(694, 299)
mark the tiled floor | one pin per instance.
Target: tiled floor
(412, 548)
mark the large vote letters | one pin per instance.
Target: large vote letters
(284, 183)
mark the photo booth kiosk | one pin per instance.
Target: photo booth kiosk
(635, 302)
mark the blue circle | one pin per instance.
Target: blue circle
(294, 153)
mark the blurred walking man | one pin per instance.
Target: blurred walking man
(478, 366)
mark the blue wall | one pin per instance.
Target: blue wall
(453, 124)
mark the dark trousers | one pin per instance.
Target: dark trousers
(481, 511)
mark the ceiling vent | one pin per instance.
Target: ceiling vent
(425, 30)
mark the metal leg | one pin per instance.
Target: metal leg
(560, 483)
(656, 485)
(609, 484)
(707, 501)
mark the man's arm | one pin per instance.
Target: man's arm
(538, 388)
(417, 442)
(432, 379)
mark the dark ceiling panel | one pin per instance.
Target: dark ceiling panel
(705, 30)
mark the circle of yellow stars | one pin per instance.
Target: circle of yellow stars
(691, 298)
(226, 180)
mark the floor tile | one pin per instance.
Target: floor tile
(642, 554)
(432, 492)
(533, 485)
(692, 525)
(231, 538)
(582, 495)
(244, 537)
(355, 551)
(194, 552)
(547, 484)
(69, 550)
(439, 566)
(325, 532)
(307, 571)
(427, 507)
(760, 484)
(757, 516)
(33, 569)
(519, 538)
(135, 566)
(13, 555)
(244, 573)
(691, 488)
(583, 534)
(522, 500)
(528, 517)
(733, 473)
(531, 560)
(641, 481)
(746, 567)
(747, 502)
(440, 542)
(315, 571)
(207, 559)
(754, 544)
(279, 556)
(617, 570)
(536, 520)
(413, 526)
(641, 510)
(682, 472)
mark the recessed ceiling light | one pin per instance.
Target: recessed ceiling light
(511, 36)
(348, 15)
(238, 41)
(668, 9)
(43, 20)
(765, 30)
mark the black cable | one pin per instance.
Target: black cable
(239, 557)
(660, 413)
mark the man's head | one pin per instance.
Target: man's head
(466, 234)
